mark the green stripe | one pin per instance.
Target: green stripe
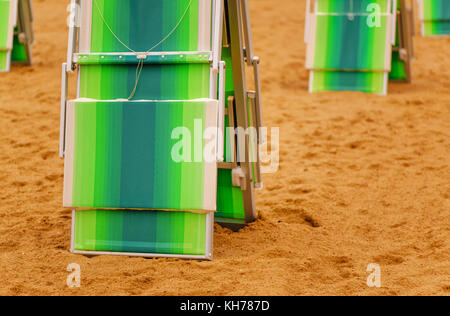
(4, 58)
(140, 232)
(84, 155)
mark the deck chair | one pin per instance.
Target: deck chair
(240, 174)
(349, 44)
(403, 50)
(135, 88)
(16, 33)
(434, 17)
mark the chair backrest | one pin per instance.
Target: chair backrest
(143, 25)
(349, 44)
(121, 154)
(131, 142)
(175, 34)
(343, 38)
(146, 79)
(435, 17)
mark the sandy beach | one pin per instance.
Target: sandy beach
(362, 179)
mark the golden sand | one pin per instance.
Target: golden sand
(363, 179)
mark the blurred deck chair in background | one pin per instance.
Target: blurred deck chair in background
(151, 84)
(16, 33)
(403, 50)
(349, 44)
(434, 17)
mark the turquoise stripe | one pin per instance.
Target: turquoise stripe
(138, 156)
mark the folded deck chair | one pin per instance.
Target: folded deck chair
(150, 77)
(403, 50)
(435, 17)
(16, 33)
(240, 174)
(349, 44)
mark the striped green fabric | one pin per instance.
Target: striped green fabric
(436, 10)
(119, 155)
(143, 24)
(349, 44)
(157, 82)
(370, 82)
(148, 232)
(102, 77)
(398, 67)
(436, 17)
(346, 51)
(398, 70)
(4, 24)
(436, 28)
(230, 200)
(131, 59)
(19, 51)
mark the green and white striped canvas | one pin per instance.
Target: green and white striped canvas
(230, 199)
(15, 33)
(131, 232)
(403, 49)
(131, 195)
(435, 17)
(348, 49)
(143, 25)
(124, 154)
